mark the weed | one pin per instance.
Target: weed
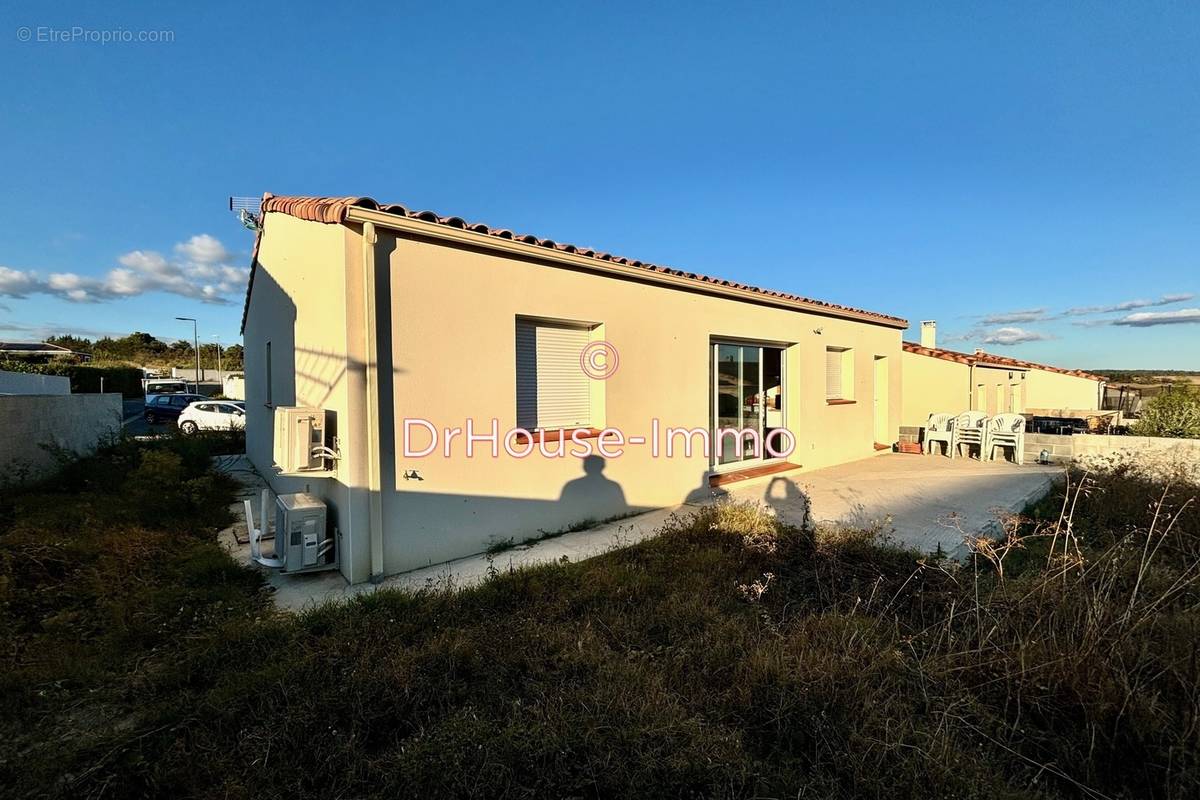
(730, 656)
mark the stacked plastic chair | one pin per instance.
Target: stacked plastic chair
(1005, 430)
(939, 428)
(970, 428)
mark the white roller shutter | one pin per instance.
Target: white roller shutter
(552, 389)
(833, 373)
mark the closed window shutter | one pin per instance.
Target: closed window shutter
(833, 374)
(552, 389)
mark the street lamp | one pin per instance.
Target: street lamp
(196, 347)
(220, 372)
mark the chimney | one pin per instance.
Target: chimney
(929, 334)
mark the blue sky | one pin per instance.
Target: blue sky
(993, 166)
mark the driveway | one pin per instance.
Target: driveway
(922, 501)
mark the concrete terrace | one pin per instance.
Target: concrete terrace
(922, 502)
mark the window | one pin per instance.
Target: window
(268, 376)
(839, 374)
(553, 391)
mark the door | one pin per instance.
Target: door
(747, 394)
(882, 430)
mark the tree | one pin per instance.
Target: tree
(73, 343)
(234, 357)
(1173, 412)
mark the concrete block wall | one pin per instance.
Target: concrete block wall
(1060, 448)
(35, 429)
(1152, 455)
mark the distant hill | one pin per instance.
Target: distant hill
(1149, 376)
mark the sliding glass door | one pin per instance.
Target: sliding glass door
(747, 396)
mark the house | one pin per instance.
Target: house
(417, 334)
(938, 380)
(38, 352)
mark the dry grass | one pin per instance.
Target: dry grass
(729, 657)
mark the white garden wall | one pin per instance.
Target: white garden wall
(37, 430)
(28, 383)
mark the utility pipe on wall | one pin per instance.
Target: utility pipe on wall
(371, 356)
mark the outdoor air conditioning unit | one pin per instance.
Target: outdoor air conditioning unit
(302, 540)
(300, 446)
(300, 534)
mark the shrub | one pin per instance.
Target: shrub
(85, 377)
(1174, 412)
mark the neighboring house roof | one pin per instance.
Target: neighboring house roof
(34, 349)
(333, 210)
(981, 358)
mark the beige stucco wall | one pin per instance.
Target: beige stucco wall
(299, 302)
(935, 385)
(993, 386)
(452, 321)
(932, 386)
(1054, 390)
(447, 354)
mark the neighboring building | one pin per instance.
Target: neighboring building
(379, 315)
(937, 380)
(37, 352)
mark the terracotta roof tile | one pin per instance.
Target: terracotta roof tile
(984, 358)
(332, 210)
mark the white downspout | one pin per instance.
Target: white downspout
(371, 356)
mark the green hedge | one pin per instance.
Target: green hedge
(86, 377)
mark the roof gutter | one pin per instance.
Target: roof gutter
(472, 239)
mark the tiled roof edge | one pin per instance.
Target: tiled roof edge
(333, 210)
(984, 358)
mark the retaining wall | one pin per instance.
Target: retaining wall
(1150, 454)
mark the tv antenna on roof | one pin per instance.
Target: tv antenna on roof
(249, 211)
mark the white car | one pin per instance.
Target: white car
(213, 415)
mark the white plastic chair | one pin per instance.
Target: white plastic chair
(970, 428)
(939, 428)
(1006, 430)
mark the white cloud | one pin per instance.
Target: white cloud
(16, 283)
(203, 249)
(1128, 305)
(1146, 319)
(1008, 317)
(200, 269)
(1009, 336)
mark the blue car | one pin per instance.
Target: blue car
(168, 407)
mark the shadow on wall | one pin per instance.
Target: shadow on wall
(594, 496)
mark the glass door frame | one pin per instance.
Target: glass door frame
(714, 461)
